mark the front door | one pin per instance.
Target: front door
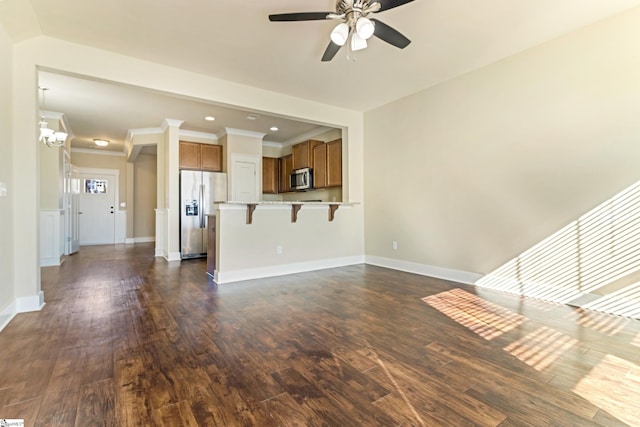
(97, 209)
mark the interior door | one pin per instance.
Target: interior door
(245, 181)
(72, 208)
(97, 209)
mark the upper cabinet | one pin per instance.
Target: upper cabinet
(327, 164)
(320, 166)
(196, 156)
(270, 175)
(302, 154)
(285, 166)
(334, 163)
(211, 156)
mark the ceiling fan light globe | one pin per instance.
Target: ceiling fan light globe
(364, 28)
(45, 132)
(61, 136)
(357, 42)
(340, 34)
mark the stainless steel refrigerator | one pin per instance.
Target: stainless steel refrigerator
(198, 192)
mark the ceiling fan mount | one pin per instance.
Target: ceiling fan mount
(355, 26)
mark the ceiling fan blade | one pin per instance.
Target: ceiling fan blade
(330, 51)
(390, 35)
(302, 16)
(390, 4)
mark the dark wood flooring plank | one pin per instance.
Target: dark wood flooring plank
(96, 405)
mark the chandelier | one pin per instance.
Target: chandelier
(48, 136)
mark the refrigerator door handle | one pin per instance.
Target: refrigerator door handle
(201, 206)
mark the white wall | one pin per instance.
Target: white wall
(7, 287)
(470, 173)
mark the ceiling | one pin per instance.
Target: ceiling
(104, 110)
(234, 40)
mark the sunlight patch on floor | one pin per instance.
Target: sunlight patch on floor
(616, 394)
(484, 318)
(540, 348)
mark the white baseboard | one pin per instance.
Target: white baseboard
(281, 270)
(133, 240)
(173, 256)
(160, 252)
(21, 305)
(424, 269)
(51, 262)
(7, 314)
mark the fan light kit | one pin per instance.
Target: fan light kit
(49, 137)
(355, 24)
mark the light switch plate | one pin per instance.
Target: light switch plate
(3, 189)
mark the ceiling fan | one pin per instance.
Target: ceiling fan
(355, 25)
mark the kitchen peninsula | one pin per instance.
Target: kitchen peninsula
(271, 238)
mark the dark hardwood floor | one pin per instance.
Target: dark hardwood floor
(129, 340)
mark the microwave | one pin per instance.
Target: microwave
(302, 179)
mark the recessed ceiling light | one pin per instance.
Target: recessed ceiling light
(101, 142)
(209, 118)
(253, 116)
(274, 128)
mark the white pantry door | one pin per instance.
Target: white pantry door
(245, 179)
(97, 208)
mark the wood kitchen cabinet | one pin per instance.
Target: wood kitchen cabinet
(320, 166)
(211, 157)
(270, 175)
(327, 164)
(196, 156)
(285, 166)
(334, 163)
(302, 154)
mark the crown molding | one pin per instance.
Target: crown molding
(307, 135)
(98, 152)
(166, 123)
(272, 144)
(240, 132)
(197, 134)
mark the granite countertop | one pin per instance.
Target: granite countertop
(287, 202)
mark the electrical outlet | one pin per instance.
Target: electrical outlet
(279, 249)
(394, 245)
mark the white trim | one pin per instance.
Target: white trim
(184, 133)
(424, 269)
(7, 314)
(240, 132)
(132, 241)
(272, 144)
(21, 305)
(121, 225)
(32, 303)
(51, 237)
(143, 131)
(306, 135)
(281, 270)
(98, 152)
(173, 256)
(166, 123)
